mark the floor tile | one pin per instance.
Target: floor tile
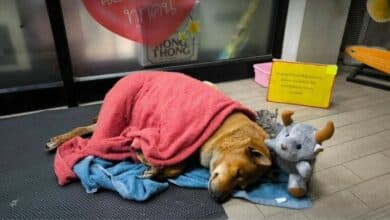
(352, 150)
(378, 214)
(387, 153)
(374, 193)
(331, 180)
(238, 209)
(370, 166)
(288, 214)
(385, 136)
(270, 210)
(341, 205)
(346, 118)
(360, 129)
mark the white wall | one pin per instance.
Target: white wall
(314, 30)
(292, 33)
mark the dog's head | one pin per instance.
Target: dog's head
(237, 166)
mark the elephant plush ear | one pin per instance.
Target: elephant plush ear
(325, 133)
(317, 149)
(286, 117)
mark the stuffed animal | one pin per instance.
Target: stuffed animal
(295, 149)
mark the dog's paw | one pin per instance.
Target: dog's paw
(50, 146)
(53, 143)
(149, 173)
(142, 159)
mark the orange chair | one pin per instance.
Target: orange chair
(378, 59)
(374, 58)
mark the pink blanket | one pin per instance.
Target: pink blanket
(166, 115)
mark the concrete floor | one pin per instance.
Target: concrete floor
(352, 176)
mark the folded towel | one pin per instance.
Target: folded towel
(123, 177)
(166, 115)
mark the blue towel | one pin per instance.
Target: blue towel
(122, 177)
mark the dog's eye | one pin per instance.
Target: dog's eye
(238, 173)
(287, 135)
(299, 146)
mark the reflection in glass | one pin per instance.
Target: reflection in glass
(242, 26)
(27, 54)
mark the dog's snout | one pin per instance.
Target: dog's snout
(216, 192)
(217, 196)
(284, 147)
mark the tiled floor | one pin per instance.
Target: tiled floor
(352, 176)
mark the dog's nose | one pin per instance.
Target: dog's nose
(217, 196)
(284, 147)
(215, 193)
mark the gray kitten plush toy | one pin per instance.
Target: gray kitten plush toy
(295, 148)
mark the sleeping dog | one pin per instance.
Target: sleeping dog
(235, 154)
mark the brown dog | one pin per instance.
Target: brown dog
(235, 155)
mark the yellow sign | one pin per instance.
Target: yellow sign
(301, 83)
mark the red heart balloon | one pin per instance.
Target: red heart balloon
(148, 21)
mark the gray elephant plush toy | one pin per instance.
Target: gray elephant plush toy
(295, 148)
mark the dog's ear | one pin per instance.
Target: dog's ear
(258, 157)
